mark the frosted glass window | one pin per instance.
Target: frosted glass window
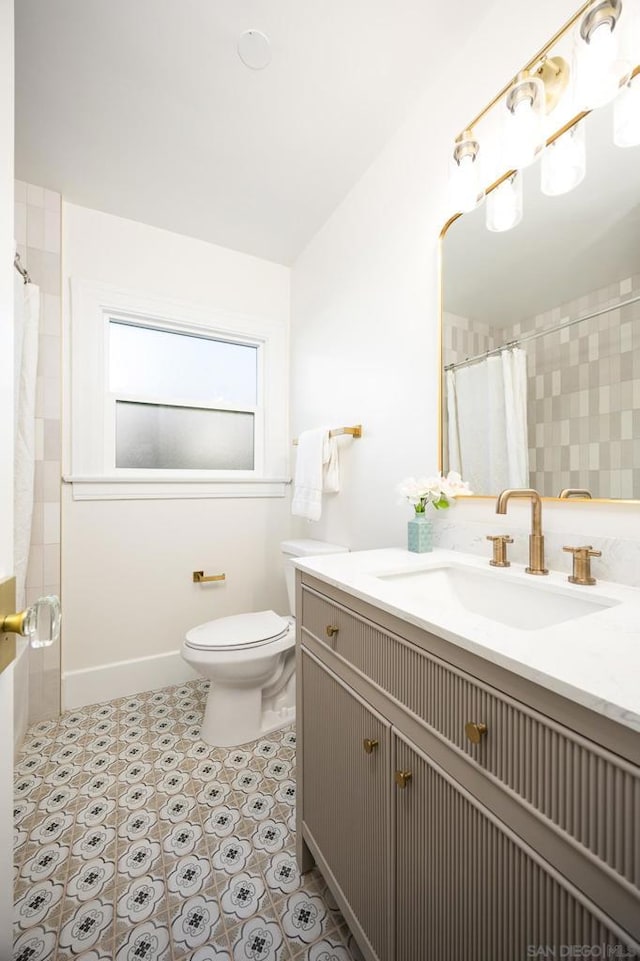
(177, 366)
(183, 438)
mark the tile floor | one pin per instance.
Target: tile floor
(136, 841)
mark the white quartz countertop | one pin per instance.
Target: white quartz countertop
(593, 659)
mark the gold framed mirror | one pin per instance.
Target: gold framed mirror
(540, 324)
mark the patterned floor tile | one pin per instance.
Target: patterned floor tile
(84, 927)
(136, 840)
(259, 939)
(150, 940)
(36, 944)
(140, 899)
(196, 922)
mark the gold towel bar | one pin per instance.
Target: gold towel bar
(199, 578)
(339, 431)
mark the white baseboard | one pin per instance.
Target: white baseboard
(123, 678)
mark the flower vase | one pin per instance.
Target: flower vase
(420, 533)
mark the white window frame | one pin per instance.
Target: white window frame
(90, 465)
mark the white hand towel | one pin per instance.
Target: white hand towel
(317, 470)
(330, 466)
(307, 493)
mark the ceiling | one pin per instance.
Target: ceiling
(564, 247)
(142, 108)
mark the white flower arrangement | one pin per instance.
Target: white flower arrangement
(438, 491)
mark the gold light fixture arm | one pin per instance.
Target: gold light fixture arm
(534, 62)
(554, 73)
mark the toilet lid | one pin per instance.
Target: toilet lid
(239, 631)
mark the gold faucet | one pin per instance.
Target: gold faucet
(574, 492)
(536, 540)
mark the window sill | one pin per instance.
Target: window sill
(143, 488)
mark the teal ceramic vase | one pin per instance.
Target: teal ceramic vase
(420, 534)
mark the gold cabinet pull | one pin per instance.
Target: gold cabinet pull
(332, 630)
(199, 578)
(475, 731)
(402, 778)
(370, 744)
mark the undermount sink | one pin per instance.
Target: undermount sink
(510, 602)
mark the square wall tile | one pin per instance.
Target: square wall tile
(35, 195)
(35, 227)
(51, 523)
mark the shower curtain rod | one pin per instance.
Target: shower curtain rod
(540, 333)
(24, 273)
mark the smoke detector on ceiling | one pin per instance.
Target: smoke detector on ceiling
(254, 49)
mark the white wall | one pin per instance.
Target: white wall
(6, 461)
(365, 303)
(127, 591)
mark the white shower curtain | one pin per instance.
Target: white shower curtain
(26, 327)
(487, 422)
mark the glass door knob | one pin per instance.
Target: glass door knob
(40, 623)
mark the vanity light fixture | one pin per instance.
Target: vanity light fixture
(504, 204)
(524, 135)
(465, 183)
(599, 71)
(564, 162)
(626, 115)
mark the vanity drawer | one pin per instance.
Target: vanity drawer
(329, 623)
(587, 792)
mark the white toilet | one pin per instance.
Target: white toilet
(250, 661)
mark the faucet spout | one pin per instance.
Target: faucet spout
(536, 539)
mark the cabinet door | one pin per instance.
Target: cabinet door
(345, 801)
(467, 887)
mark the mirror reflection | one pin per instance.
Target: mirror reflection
(541, 334)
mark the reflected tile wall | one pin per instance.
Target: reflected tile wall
(37, 229)
(463, 338)
(584, 395)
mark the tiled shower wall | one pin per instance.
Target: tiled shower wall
(37, 229)
(462, 338)
(584, 395)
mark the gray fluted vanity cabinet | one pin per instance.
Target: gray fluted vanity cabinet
(455, 809)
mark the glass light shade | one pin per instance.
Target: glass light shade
(599, 70)
(564, 163)
(504, 204)
(626, 115)
(465, 179)
(524, 122)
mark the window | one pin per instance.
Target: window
(156, 379)
(169, 394)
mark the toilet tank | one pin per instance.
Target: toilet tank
(305, 547)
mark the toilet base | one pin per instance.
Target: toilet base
(235, 716)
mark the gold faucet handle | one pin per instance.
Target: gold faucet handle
(500, 542)
(582, 563)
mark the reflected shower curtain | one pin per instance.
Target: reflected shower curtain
(487, 422)
(27, 319)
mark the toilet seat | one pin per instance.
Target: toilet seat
(238, 632)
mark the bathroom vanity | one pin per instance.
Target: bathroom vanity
(470, 786)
